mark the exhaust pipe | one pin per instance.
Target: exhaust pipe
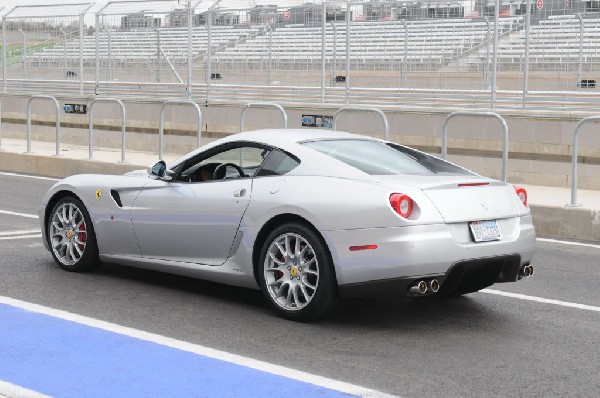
(434, 285)
(527, 271)
(420, 288)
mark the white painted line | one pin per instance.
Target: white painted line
(542, 300)
(23, 232)
(200, 350)
(28, 176)
(566, 242)
(20, 237)
(13, 391)
(12, 213)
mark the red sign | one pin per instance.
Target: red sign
(286, 14)
(539, 4)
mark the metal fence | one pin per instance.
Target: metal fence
(456, 52)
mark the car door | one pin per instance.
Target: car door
(195, 217)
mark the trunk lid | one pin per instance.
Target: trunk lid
(464, 198)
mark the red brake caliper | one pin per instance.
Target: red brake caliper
(82, 235)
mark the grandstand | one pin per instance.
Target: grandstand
(554, 45)
(373, 45)
(422, 45)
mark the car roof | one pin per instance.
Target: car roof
(293, 135)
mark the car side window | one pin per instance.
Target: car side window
(278, 163)
(236, 162)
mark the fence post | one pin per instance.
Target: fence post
(207, 59)
(4, 66)
(444, 148)
(96, 51)
(157, 55)
(405, 58)
(263, 105)
(323, 45)
(347, 86)
(161, 125)
(334, 55)
(575, 156)
(81, 33)
(53, 99)
(580, 64)
(361, 109)
(527, 38)
(190, 55)
(23, 55)
(495, 60)
(109, 50)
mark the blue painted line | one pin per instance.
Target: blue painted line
(66, 359)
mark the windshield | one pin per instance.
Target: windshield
(380, 158)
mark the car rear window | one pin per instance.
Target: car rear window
(380, 158)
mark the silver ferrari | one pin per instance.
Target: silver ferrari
(306, 216)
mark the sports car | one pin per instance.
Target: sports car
(308, 216)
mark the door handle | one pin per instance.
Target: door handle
(239, 193)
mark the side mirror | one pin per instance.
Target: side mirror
(160, 171)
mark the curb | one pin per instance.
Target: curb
(549, 221)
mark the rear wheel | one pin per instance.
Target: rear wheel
(71, 236)
(296, 273)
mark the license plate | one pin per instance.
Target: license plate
(485, 231)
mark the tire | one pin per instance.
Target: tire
(296, 273)
(71, 236)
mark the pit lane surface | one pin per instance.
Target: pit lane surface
(479, 345)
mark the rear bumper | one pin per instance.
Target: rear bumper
(461, 278)
(408, 253)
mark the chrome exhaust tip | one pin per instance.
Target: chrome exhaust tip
(526, 271)
(419, 288)
(434, 285)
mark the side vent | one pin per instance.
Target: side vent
(116, 197)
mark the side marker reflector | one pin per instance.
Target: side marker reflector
(364, 247)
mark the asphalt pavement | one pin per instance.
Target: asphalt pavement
(482, 344)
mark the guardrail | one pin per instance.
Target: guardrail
(53, 99)
(263, 105)
(479, 114)
(162, 123)
(575, 156)
(361, 109)
(91, 125)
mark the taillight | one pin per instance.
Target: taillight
(522, 194)
(401, 203)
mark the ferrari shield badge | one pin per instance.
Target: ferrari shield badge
(98, 194)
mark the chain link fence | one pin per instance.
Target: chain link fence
(369, 52)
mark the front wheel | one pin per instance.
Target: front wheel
(71, 236)
(296, 273)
